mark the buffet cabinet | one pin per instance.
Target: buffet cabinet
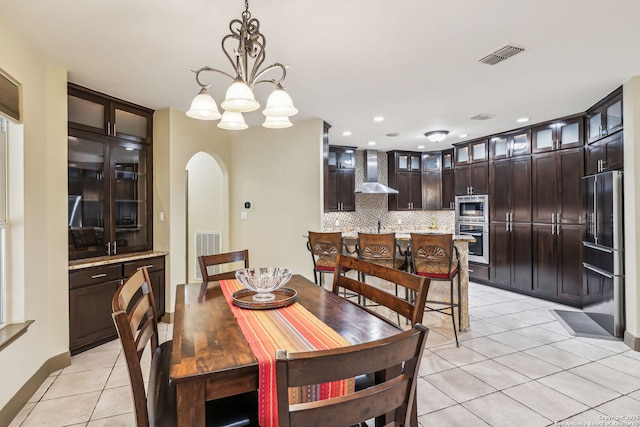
(91, 291)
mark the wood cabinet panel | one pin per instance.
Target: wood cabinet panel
(472, 179)
(448, 191)
(90, 315)
(545, 260)
(91, 291)
(557, 188)
(405, 175)
(341, 179)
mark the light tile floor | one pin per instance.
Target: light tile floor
(516, 367)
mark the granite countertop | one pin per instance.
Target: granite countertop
(404, 234)
(105, 260)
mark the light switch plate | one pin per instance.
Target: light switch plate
(244, 215)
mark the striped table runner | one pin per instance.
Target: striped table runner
(292, 328)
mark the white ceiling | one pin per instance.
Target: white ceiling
(415, 62)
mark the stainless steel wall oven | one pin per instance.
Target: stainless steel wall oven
(478, 250)
(472, 219)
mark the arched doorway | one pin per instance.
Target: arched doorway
(206, 210)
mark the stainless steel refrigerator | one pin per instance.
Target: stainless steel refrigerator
(603, 255)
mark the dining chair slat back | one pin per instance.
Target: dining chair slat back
(137, 327)
(206, 261)
(395, 394)
(410, 308)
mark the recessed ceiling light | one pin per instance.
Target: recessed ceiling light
(378, 119)
(463, 135)
(346, 133)
(371, 143)
(523, 119)
(420, 147)
(129, 149)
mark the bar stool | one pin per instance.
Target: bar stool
(324, 248)
(434, 256)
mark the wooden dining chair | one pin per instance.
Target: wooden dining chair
(206, 261)
(395, 394)
(411, 309)
(324, 248)
(434, 256)
(134, 315)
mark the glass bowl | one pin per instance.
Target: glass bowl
(263, 281)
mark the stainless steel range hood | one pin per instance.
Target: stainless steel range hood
(371, 184)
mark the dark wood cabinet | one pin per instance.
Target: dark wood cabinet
(558, 135)
(405, 175)
(91, 290)
(511, 256)
(605, 154)
(605, 118)
(472, 179)
(110, 182)
(342, 179)
(432, 180)
(510, 190)
(110, 196)
(557, 261)
(448, 190)
(471, 152)
(101, 114)
(557, 187)
(509, 145)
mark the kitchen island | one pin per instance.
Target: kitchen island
(438, 290)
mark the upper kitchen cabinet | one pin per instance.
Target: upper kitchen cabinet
(448, 186)
(342, 179)
(405, 175)
(471, 152)
(556, 185)
(510, 145)
(605, 154)
(605, 117)
(558, 135)
(471, 179)
(447, 159)
(510, 199)
(101, 114)
(432, 180)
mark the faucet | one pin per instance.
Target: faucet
(378, 225)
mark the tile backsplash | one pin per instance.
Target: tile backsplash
(371, 207)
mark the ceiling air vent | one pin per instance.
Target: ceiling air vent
(482, 116)
(501, 54)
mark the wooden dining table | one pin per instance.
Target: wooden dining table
(211, 358)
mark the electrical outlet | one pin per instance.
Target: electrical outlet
(337, 223)
(399, 221)
(244, 215)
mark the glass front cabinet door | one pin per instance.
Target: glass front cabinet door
(109, 196)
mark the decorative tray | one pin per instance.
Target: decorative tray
(283, 297)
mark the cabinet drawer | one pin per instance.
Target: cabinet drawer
(478, 271)
(93, 275)
(152, 264)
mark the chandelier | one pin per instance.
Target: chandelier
(246, 58)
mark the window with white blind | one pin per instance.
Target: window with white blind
(3, 219)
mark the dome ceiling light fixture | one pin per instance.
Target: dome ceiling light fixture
(437, 135)
(246, 58)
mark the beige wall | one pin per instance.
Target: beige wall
(280, 171)
(38, 212)
(176, 138)
(631, 114)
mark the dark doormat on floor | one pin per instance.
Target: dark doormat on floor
(579, 324)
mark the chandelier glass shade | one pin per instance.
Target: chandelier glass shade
(437, 135)
(244, 47)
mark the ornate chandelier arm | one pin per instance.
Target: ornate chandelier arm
(269, 68)
(207, 85)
